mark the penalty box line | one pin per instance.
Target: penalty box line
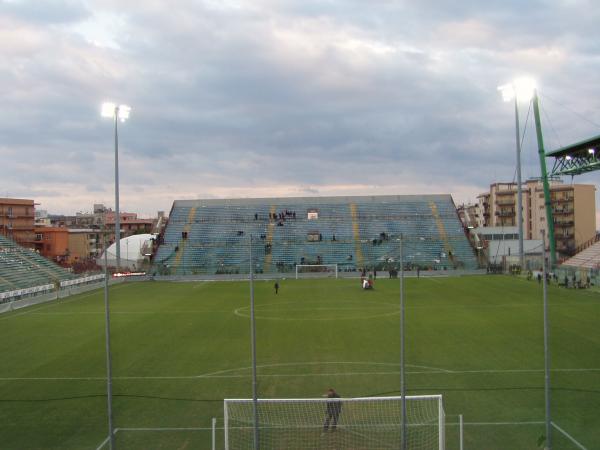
(568, 436)
(291, 375)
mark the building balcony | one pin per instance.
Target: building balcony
(564, 237)
(20, 227)
(505, 201)
(564, 223)
(562, 200)
(562, 211)
(504, 213)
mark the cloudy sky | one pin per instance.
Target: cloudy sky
(259, 98)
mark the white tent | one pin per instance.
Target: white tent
(131, 251)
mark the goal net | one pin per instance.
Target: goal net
(349, 423)
(316, 270)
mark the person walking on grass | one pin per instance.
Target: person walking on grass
(334, 408)
(276, 286)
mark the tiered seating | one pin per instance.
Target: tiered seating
(22, 268)
(367, 233)
(588, 258)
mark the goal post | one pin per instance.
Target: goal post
(317, 269)
(358, 423)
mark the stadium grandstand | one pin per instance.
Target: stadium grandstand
(22, 268)
(213, 236)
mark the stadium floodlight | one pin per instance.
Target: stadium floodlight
(568, 157)
(117, 113)
(111, 110)
(507, 91)
(591, 151)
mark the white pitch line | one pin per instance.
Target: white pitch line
(222, 375)
(484, 424)
(437, 369)
(103, 443)
(52, 303)
(69, 313)
(167, 429)
(571, 438)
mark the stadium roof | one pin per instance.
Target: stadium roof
(577, 158)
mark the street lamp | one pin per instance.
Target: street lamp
(117, 113)
(519, 89)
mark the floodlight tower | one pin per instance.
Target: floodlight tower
(547, 199)
(117, 113)
(520, 89)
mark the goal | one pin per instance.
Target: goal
(315, 270)
(362, 423)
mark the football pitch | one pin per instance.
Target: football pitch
(180, 348)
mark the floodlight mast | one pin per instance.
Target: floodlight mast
(510, 92)
(116, 112)
(547, 199)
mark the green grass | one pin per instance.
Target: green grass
(476, 340)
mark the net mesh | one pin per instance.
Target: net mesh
(316, 270)
(365, 423)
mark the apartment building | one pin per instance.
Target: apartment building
(573, 207)
(52, 243)
(17, 220)
(84, 244)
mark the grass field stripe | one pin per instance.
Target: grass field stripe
(568, 436)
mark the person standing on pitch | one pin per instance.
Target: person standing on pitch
(334, 408)
(276, 286)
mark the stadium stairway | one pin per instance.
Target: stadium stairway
(356, 233)
(269, 240)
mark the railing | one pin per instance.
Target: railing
(505, 202)
(588, 243)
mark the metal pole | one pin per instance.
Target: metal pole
(214, 433)
(117, 215)
(404, 441)
(108, 354)
(253, 332)
(519, 188)
(546, 351)
(460, 431)
(547, 200)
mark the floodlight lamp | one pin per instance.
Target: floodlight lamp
(591, 151)
(568, 158)
(508, 92)
(524, 88)
(108, 109)
(123, 112)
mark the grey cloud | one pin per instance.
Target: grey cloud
(221, 99)
(50, 12)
